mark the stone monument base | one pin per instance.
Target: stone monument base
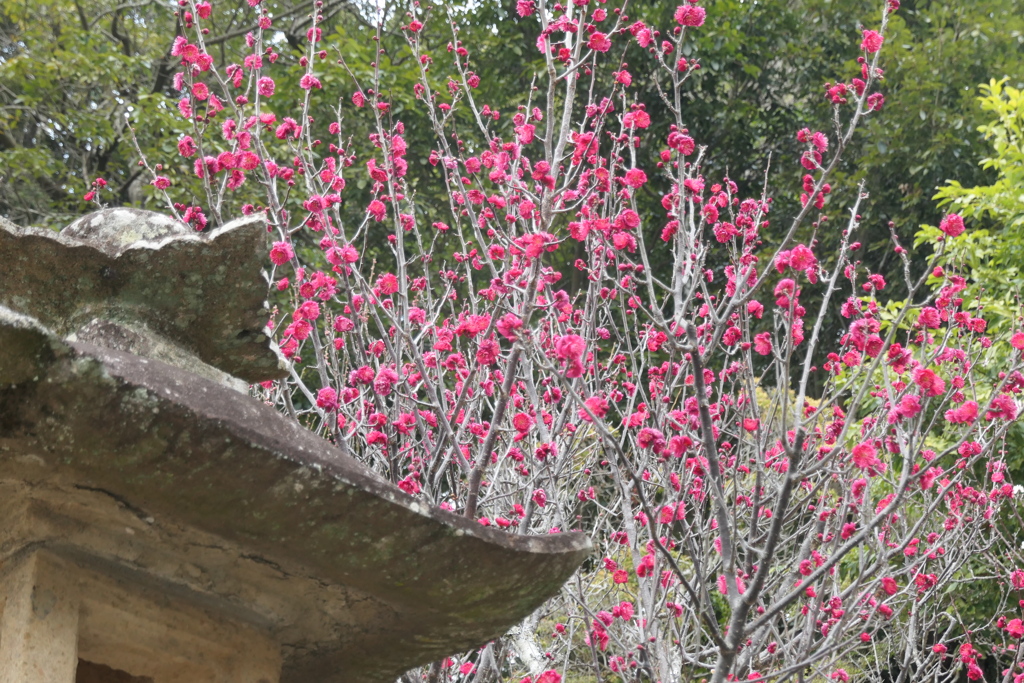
(135, 615)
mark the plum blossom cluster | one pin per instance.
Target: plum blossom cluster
(765, 501)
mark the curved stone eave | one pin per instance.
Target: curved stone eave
(191, 450)
(201, 290)
(235, 227)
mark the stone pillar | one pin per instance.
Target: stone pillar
(39, 626)
(55, 609)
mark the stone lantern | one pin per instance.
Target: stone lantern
(157, 524)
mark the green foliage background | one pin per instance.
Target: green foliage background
(69, 73)
(73, 75)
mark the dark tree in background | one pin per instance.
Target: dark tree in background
(68, 78)
(72, 81)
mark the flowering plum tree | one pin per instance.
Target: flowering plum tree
(747, 529)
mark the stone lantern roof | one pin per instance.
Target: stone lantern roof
(162, 525)
(174, 294)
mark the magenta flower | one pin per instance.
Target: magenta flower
(281, 253)
(187, 146)
(952, 224)
(690, 15)
(377, 210)
(865, 457)
(1015, 627)
(965, 414)
(570, 348)
(525, 7)
(872, 42)
(636, 119)
(635, 178)
(327, 398)
(599, 42)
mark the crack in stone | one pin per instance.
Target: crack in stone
(138, 512)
